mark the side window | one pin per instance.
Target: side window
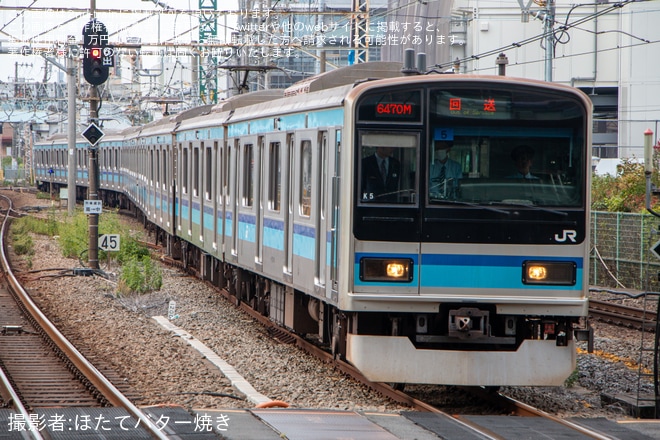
(151, 167)
(225, 182)
(208, 161)
(274, 177)
(195, 171)
(305, 204)
(184, 178)
(248, 174)
(165, 154)
(158, 166)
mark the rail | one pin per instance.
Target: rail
(109, 391)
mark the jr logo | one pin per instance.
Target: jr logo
(567, 234)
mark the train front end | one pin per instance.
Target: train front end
(467, 257)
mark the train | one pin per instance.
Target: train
(378, 212)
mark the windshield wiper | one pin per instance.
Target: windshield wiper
(474, 205)
(534, 207)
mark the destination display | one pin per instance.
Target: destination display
(472, 104)
(391, 107)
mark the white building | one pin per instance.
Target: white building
(609, 50)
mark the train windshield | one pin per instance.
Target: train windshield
(486, 161)
(495, 147)
(478, 145)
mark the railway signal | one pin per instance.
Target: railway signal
(97, 56)
(93, 134)
(93, 69)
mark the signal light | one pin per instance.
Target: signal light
(94, 70)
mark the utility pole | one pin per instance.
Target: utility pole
(549, 38)
(93, 223)
(71, 92)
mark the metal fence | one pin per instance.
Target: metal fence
(621, 256)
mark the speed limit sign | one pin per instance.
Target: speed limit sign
(109, 242)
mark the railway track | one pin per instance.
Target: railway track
(621, 315)
(508, 405)
(39, 367)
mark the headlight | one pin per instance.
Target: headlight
(386, 269)
(549, 272)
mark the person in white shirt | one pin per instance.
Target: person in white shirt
(523, 156)
(444, 174)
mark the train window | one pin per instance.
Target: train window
(305, 204)
(274, 177)
(208, 162)
(248, 174)
(184, 179)
(195, 171)
(225, 182)
(157, 166)
(388, 162)
(165, 178)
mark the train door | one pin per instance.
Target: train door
(289, 160)
(187, 191)
(149, 183)
(248, 167)
(258, 202)
(196, 199)
(169, 181)
(275, 204)
(215, 169)
(306, 198)
(234, 199)
(177, 155)
(223, 198)
(321, 213)
(208, 195)
(334, 154)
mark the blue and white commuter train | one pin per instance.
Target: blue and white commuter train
(478, 278)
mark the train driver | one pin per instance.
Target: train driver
(380, 176)
(444, 174)
(522, 157)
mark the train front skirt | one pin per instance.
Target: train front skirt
(535, 363)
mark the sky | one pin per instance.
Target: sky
(45, 25)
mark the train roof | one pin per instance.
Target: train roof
(345, 76)
(323, 91)
(247, 99)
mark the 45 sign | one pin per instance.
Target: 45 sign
(109, 242)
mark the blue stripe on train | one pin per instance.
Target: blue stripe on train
(471, 271)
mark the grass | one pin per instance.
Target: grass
(138, 273)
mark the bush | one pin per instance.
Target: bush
(140, 275)
(23, 244)
(131, 248)
(625, 192)
(74, 235)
